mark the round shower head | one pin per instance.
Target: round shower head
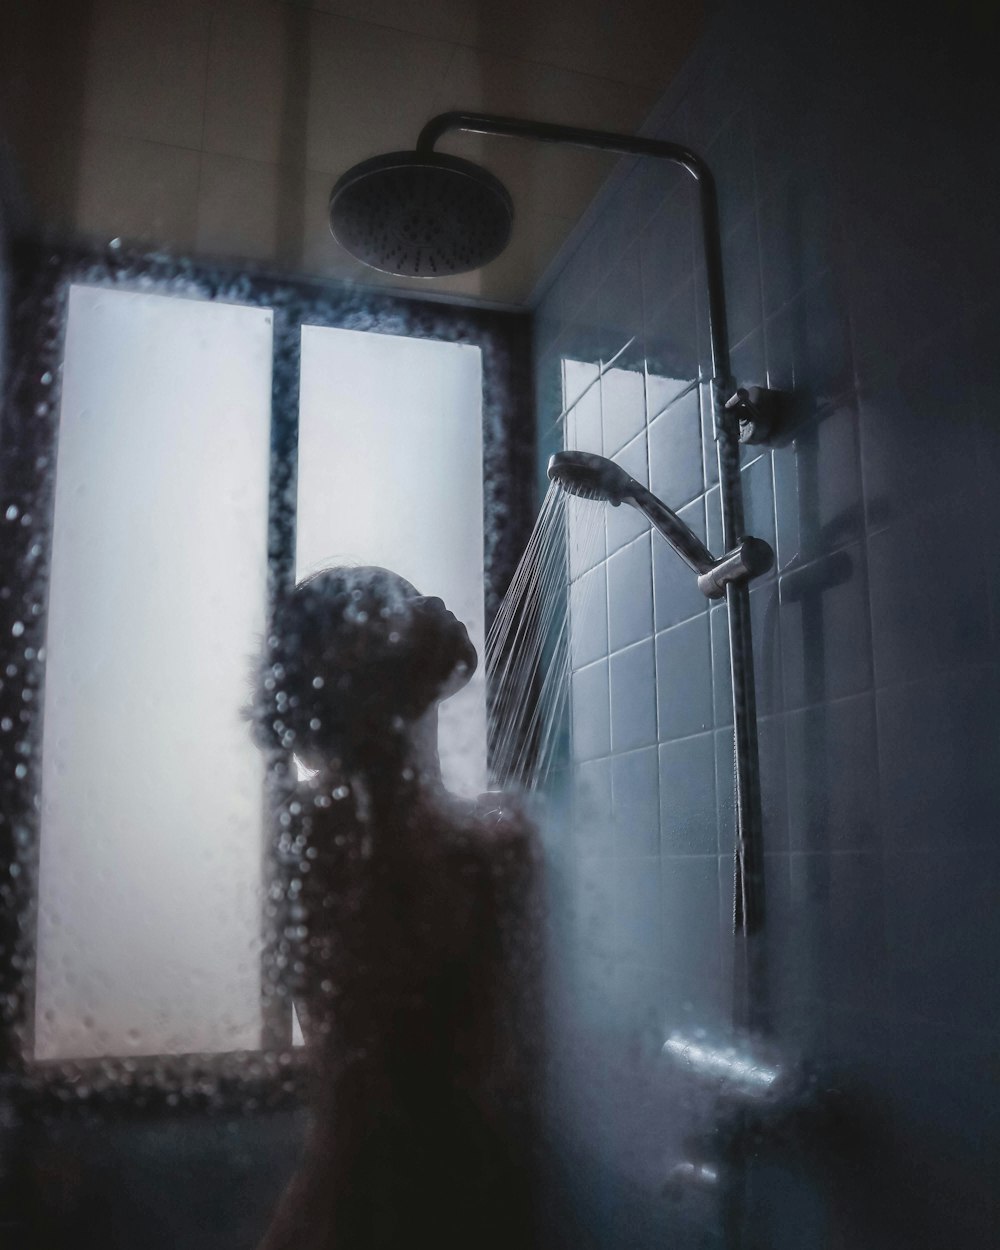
(421, 214)
(591, 477)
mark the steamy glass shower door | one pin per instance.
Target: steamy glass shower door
(151, 823)
(193, 443)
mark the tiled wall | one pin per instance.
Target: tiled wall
(853, 157)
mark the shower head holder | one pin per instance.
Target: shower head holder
(757, 409)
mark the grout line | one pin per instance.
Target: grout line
(462, 41)
(210, 37)
(114, 133)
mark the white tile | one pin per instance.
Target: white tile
(588, 416)
(540, 176)
(521, 86)
(684, 679)
(371, 89)
(438, 19)
(592, 830)
(555, 179)
(242, 207)
(534, 241)
(630, 594)
(636, 798)
(146, 65)
(590, 712)
(633, 697)
(588, 620)
(579, 377)
(142, 192)
(252, 79)
(623, 401)
(642, 43)
(675, 452)
(569, 429)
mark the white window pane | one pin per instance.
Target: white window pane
(151, 844)
(391, 474)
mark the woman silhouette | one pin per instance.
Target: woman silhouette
(413, 923)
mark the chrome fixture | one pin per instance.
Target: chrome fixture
(749, 1074)
(421, 213)
(594, 477)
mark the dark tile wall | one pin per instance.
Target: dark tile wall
(855, 155)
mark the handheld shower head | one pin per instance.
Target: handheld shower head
(595, 477)
(591, 477)
(421, 214)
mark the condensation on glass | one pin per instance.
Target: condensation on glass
(391, 473)
(153, 842)
(149, 916)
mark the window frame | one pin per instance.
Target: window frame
(274, 1075)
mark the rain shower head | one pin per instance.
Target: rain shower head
(421, 214)
(425, 214)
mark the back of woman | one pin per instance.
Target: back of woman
(418, 963)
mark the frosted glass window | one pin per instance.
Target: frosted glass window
(149, 918)
(390, 472)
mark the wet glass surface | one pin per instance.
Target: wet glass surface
(860, 253)
(171, 962)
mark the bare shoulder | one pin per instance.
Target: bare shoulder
(506, 826)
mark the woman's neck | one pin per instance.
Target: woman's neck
(401, 763)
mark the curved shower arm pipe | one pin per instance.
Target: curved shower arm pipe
(665, 520)
(622, 145)
(750, 994)
(749, 558)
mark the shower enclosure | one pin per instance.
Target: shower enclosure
(57, 1061)
(858, 1111)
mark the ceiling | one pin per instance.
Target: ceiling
(218, 126)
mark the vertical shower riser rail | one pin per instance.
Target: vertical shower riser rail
(749, 989)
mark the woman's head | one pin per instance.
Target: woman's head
(357, 656)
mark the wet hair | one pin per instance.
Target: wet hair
(355, 655)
